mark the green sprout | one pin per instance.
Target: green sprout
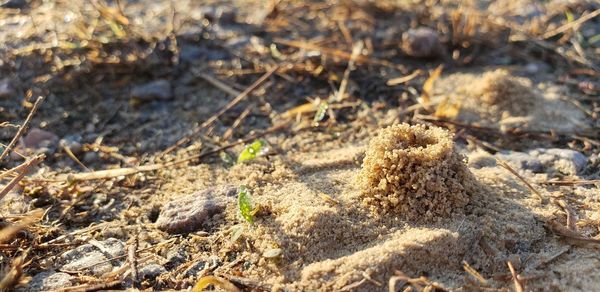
(245, 205)
(227, 159)
(257, 148)
(321, 110)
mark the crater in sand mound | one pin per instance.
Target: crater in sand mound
(415, 172)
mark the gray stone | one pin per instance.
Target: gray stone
(158, 89)
(566, 161)
(188, 213)
(151, 271)
(45, 281)
(422, 42)
(521, 160)
(94, 257)
(6, 89)
(38, 141)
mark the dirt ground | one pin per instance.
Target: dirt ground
(402, 145)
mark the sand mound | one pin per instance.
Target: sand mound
(416, 172)
(504, 94)
(499, 99)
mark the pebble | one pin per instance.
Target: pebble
(91, 258)
(158, 89)
(6, 89)
(566, 161)
(521, 160)
(188, 213)
(422, 42)
(46, 281)
(37, 139)
(151, 271)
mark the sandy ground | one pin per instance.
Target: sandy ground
(486, 179)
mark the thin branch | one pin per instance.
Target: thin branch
(22, 129)
(23, 169)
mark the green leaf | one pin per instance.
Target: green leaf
(245, 204)
(257, 148)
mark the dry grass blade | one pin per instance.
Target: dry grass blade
(572, 24)
(518, 285)
(22, 129)
(22, 171)
(570, 182)
(7, 233)
(133, 262)
(571, 216)
(113, 173)
(249, 283)
(333, 52)
(217, 83)
(474, 273)
(521, 178)
(563, 231)
(91, 287)
(404, 79)
(356, 50)
(14, 273)
(224, 109)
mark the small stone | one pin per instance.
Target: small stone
(272, 253)
(92, 258)
(158, 89)
(37, 138)
(175, 257)
(188, 213)
(6, 89)
(422, 42)
(36, 141)
(520, 160)
(151, 271)
(46, 281)
(566, 161)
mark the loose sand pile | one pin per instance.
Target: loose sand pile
(497, 98)
(416, 172)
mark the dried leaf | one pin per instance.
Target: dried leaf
(428, 85)
(447, 109)
(206, 281)
(298, 110)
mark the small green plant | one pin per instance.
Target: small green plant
(226, 158)
(257, 148)
(321, 111)
(245, 205)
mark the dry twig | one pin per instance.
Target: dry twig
(22, 129)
